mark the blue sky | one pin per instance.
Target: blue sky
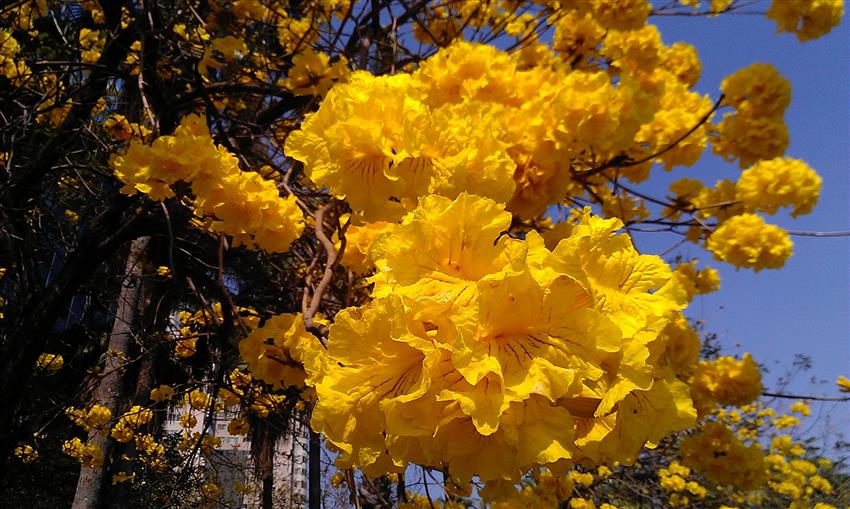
(804, 307)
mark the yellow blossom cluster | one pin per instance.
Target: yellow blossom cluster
(26, 453)
(801, 408)
(358, 245)
(49, 362)
(756, 130)
(89, 455)
(695, 281)
(150, 452)
(91, 44)
(129, 422)
(682, 347)
(276, 351)
(194, 326)
(808, 19)
(491, 355)
(577, 34)
(22, 15)
(475, 119)
(721, 457)
(313, 74)
(780, 182)
(231, 49)
(96, 417)
(726, 381)
(197, 399)
(796, 479)
(123, 130)
(162, 393)
(422, 501)
(674, 479)
(747, 241)
(205, 442)
(547, 491)
(15, 70)
(242, 204)
(238, 426)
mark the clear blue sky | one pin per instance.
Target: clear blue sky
(804, 307)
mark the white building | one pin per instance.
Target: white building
(232, 467)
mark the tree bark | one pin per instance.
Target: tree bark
(314, 471)
(111, 391)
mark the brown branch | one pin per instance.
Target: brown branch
(796, 396)
(330, 264)
(625, 162)
(799, 233)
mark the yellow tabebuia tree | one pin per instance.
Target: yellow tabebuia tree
(404, 226)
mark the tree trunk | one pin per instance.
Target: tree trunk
(111, 391)
(314, 467)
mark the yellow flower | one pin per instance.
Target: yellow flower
(727, 381)
(673, 483)
(122, 432)
(122, 477)
(786, 421)
(382, 155)
(186, 347)
(632, 50)
(717, 454)
(188, 420)
(229, 397)
(801, 408)
(757, 90)
(98, 416)
(89, 455)
(577, 34)
(491, 354)
(696, 282)
(137, 416)
(238, 426)
(312, 74)
(843, 383)
(821, 484)
(50, 362)
(162, 393)
(681, 347)
(264, 404)
(358, 244)
(747, 241)
(808, 20)
(242, 204)
(338, 479)
(581, 503)
(26, 453)
(682, 61)
(276, 351)
(211, 490)
(781, 182)
(197, 399)
(750, 139)
(583, 478)
(208, 444)
(619, 14)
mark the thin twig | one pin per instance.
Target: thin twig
(796, 396)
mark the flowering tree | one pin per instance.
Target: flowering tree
(404, 224)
